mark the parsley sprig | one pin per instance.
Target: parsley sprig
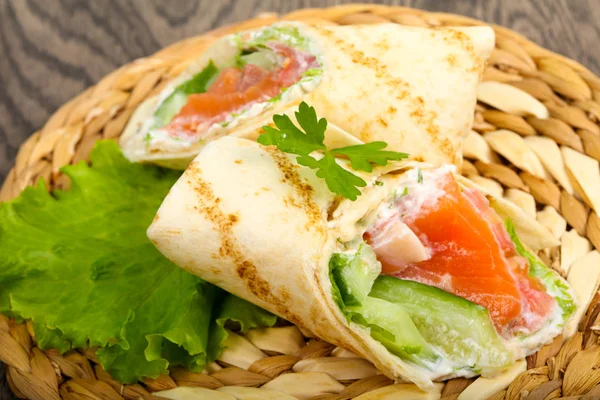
(310, 138)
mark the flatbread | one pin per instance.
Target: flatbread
(250, 220)
(413, 88)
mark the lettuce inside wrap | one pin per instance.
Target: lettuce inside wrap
(230, 85)
(251, 49)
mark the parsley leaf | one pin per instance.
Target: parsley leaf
(363, 156)
(314, 127)
(338, 180)
(287, 137)
(419, 176)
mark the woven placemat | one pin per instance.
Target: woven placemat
(549, 167)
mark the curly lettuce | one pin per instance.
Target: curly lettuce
(79, 265)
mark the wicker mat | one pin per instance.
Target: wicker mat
(508, 152)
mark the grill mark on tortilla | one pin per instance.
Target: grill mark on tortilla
(424, 117)
(223, 223)
(383, 44)
(454, 37)
(290, 201)
(452, 60)
(332, 207)
(419, 112)
(358, 57)
(302, 188)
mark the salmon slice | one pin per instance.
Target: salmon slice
(252, 75)
(236, 89)
(205, 109)
(472, 256)
(227, 82)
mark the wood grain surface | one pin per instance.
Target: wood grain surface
(50, 50)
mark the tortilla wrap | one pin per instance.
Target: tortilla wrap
(249, 219)
(413, 88)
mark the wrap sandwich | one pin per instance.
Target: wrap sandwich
(423, 274)
(411, 87)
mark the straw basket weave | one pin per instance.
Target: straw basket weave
(537, 174)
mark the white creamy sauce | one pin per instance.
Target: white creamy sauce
(420, 190)
(553, 327)
(421, 193)
(221, 55)
(160, 139)
(426, 194)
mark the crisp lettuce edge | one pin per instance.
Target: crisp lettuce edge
(157, 349)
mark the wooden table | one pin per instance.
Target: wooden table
(50, 50)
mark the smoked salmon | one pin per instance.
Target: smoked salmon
(469, 253)
(237, 88)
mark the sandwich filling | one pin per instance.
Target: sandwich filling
(248, 73)
(444, 282)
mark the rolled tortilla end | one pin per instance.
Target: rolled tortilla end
(208, 226)
(413, 88)
(250, 220)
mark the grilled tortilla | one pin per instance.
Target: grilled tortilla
(249, 219)
(413, 88)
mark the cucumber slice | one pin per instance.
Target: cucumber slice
(169, 108)
(461, 329)
(173, 104)
(354, 274)
(393, 327)
(352, 277)
(264, 58)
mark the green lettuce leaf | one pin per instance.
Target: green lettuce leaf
(235, 313)
(48, 338)
(288, 35)
(352, 277)
(171, 106)
(554, 283)
(79, 264)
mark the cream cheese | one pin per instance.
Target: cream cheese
(420, 189)
(160, 139)
(222, 55)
